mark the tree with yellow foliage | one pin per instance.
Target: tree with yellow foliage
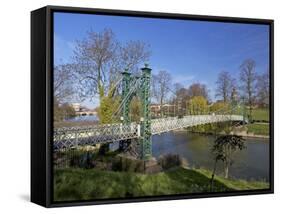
(198, 105)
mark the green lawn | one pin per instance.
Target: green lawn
(261, 114)
(258, 128)
(85, 184)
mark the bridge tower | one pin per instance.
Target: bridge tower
(146, 141)
(144, 94)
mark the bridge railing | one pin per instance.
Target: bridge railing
(91, 135)
(172, 123)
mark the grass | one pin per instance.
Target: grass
(261, 114)
(258, 128)
(86, 184)
(238, 184)
(258, 114)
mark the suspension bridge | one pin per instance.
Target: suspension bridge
(69, 137)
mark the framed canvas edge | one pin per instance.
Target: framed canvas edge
(49, 108)
(38, 152)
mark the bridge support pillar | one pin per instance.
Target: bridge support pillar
(146, 142)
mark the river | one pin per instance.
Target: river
(251, 163)
(83, 118)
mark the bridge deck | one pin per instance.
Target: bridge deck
(75, 136)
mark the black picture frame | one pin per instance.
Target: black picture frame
(42, 102)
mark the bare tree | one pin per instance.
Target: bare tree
(181, 97)
(248, 79)
(197, 89)
(63, 83)
(161, 84)
(93, 59)
(133, 54)
(262, 86)
(177, 87)
(99, 60)
(225, 85)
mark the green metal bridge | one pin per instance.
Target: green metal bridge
(69, 137)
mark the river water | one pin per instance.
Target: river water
(83, 118)
(251, 163)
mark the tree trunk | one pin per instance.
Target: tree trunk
(226, 171)
(213, 176)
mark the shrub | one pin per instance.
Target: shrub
(121, 163)
(169, 161)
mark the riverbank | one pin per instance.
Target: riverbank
(258, 128)
(242, 134)
(86, 184)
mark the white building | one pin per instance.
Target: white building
(76, 106)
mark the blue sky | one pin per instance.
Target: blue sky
(192, 51)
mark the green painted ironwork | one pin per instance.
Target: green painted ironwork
(146, 116)
(125, 90)
(143, 92)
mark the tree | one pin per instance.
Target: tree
(161, 87)
(63, 83)
(262, 86)
(197, 89)
(223, 149)
(181, 97)
(99, 59)
(57, 111)
(219, 107)
(133, 54)
(107, 108)
(225, 85)
(198, 105)
(177, 87)
(62, 111)
(248, 79)
(234, 96)
(94, 57)
(135, 109)
(67, 111)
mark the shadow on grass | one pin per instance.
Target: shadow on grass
(195, 182)
(87, 184)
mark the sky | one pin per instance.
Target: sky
(192, 51)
